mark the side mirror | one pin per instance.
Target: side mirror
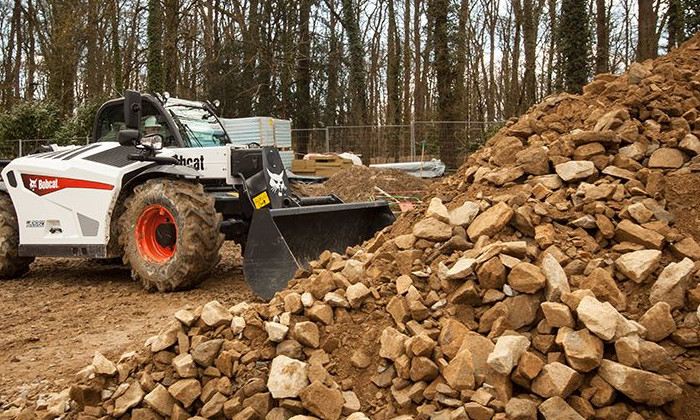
(129, 136)
(152, 142)
(132, 109)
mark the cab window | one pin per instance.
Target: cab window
(111, 120)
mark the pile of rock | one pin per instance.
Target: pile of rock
(546, 276)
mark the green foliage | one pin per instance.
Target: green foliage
(574, 43)
(79, 126)
(27, 120)
(34, 120)
(692, 17)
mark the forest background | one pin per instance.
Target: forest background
(319, 62)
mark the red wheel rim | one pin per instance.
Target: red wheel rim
(146, 240)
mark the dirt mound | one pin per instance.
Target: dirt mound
(546, 276)
(357, 183)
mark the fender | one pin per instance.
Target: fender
(158, 171)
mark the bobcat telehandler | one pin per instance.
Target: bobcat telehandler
(161, 186)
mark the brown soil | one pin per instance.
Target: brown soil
(682, 193)
(64, 310)
(357, 183)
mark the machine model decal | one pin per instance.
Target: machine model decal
(277, 183)
(195, 163)
(42, 185)
(35, 223)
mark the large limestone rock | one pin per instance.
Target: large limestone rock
(526, 278)
(433, 230)
(575, 170)
(215, 314)
(672, 283)
(103, 366)
(186, 391)
(480, 348)
(205, 353)
(461, 269)
(554, 274)
(556, 408)
(583, 350)
(603, 320)
(160, 400)
(507, 352)
(391, 343)
(491, 221)
(323, 402)
(632, 232)
(130, 398)
(287, 377)
(658, 322)
(556, 380)
(638, 265)
(464, 214)
(666, 158)
(437, 210)
(642, 354)
(459, 373)
(603, 285)
(642, 387)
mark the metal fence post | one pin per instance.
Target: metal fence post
(328, 140)
(413, 140)
(20, 148)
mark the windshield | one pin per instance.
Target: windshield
(198, 126)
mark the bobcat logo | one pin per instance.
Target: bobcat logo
(32, 183)
(277, 183)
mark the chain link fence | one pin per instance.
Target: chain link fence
(420, 140)
(18, 148)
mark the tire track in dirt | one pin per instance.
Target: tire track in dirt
(61, 312)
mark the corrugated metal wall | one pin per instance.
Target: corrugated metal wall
(267, 131)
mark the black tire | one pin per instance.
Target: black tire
(11, 264)
(196, 242)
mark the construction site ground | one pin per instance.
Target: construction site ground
(63, 310)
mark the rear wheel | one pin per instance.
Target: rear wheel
(170, 234)
(11, 264)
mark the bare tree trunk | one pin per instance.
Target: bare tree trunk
(460, 97)
(513, 92)
(407, 62)
(418, 92)
(117, 60)
(602, 56)
(31, 51)
(357, 82)
(393, 75)
(552, 9)
(676, 24)
(333, 95)
(444, 74)
(251, 43)
(529, 24)
(303, 79)
(171, 34)
(647, 46)
(93, 86)
(491, 20)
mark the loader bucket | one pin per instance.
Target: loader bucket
(282, 240)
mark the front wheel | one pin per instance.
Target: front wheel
(170, 234)
(11, 264)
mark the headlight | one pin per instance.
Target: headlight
(154, 142)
